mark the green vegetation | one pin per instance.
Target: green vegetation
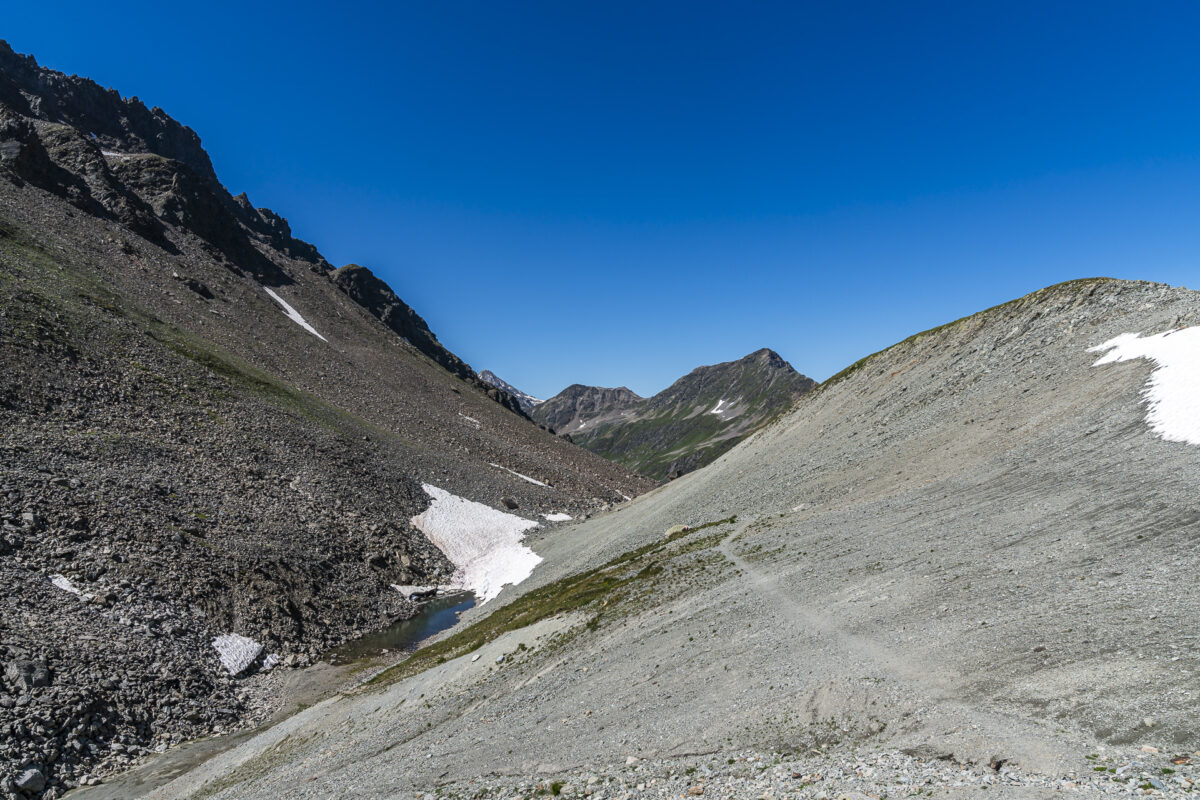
(593, 589)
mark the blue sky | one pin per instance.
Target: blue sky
(615, 193)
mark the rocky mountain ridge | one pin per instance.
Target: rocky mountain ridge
(525, 400)
(685, 426)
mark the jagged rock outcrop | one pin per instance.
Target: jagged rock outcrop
(685, 426)
(112, 156)
(524, 399)
(364, 288)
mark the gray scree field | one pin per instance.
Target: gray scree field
(965, 562)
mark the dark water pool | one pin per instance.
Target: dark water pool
(435, 616)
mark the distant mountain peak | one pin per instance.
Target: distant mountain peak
(686, 425)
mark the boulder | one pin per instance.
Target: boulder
(27, 674)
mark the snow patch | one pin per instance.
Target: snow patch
(722, 407)
(270, 662)
(519, 475)
(471, 420)
(237, 652)
(558, 516)
(483, 544)
(294, 315)
(1172, 394)
(64, 583)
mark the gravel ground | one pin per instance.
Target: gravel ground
(836, 774)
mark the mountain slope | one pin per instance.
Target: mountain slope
(966, 562)
(683, 427)
(201, 434)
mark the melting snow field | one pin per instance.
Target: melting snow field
(721, 406)
(294, 315)
(558, 516)
(483, 544)
(1172, 395)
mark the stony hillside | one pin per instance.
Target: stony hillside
(207, 433)
(683, 427)
(965, 563)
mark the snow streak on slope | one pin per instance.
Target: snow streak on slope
(1172, 394)
(483, 544)
(294, 315)
(519, 475)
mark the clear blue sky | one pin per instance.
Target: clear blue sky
(614, 193)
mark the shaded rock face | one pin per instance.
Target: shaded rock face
(113, 157)
(375, 296)
(684, 427)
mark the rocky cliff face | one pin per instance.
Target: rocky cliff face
(112, 157)
(683, 427)
(203, 434)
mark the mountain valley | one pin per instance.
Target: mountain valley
(962, 566)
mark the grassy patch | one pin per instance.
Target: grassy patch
(584, 590)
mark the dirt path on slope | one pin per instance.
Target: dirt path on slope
(949, 725)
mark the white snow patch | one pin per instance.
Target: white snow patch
(270, 661)
(519, 475)
(1172, 394)
(558, 516)
(483, 544)
(113, 154)
(722, 407)
(627, 497)
(64, 583)
(471, 420)
(294, 315)
(237, 652)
